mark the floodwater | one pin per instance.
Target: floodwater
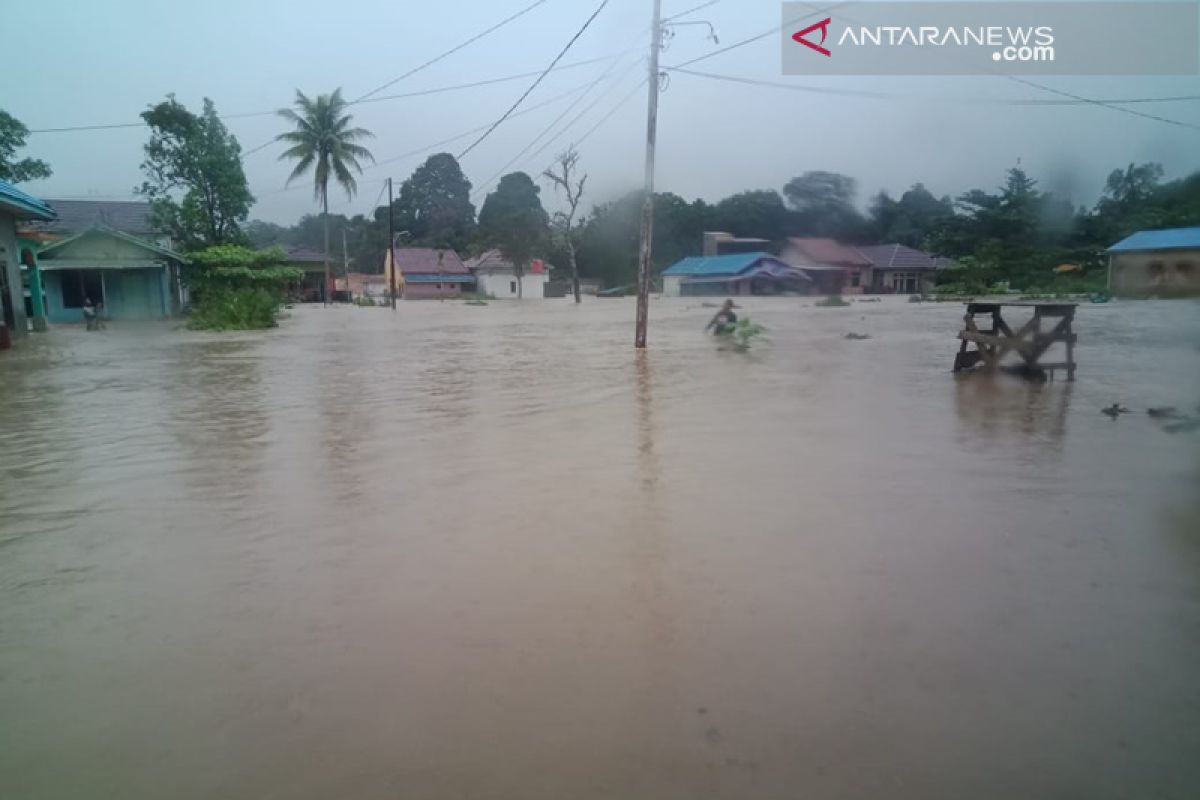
(458, 552)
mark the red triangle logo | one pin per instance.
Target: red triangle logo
(823, 26)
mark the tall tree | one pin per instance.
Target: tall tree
(824, 204)
(194, 178)
(434, 204)
(513, 220)
(759, 213)
(325, 142)
(562, 175)
(12, 138)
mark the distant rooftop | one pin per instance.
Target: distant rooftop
(899, 256)
(424, 260)
(1169, 239)
(829, 251)
(732, 264)
(74, 216)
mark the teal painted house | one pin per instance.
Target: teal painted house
(128, 277)
(18, 208)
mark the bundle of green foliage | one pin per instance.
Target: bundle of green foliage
(832, 301)
(236, 288)
(745, 332)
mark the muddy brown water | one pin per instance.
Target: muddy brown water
(459, 552)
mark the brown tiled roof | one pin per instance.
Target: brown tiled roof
(424, 260)
(829, 251)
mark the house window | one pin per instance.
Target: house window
(512, 287)
(1155, 267)
(855, 278)
(1184, 267)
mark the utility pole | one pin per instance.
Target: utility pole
(346, 265)
(391, 247)
(643, 277)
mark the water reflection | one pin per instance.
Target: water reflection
(994, 407)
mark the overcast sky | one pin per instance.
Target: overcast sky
(104, 62)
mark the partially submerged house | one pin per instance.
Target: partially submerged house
(899, 269)
(496, 276)
(17, 207)
(734, 274)
(838, 268)
(1164, 262)
(425, 273)
(127, 277)
(312, 288)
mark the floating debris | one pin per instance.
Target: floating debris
(1114, 410)
(857, 337)
(1164, 412)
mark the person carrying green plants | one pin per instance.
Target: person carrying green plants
(724, 322)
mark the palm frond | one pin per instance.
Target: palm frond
(301, 167)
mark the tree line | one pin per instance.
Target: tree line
(1015, 233)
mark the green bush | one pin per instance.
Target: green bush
(832, 301)
(235, 308)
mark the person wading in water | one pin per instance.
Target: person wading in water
(724, 322)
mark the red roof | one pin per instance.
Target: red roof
(829, 251)
(424, 261)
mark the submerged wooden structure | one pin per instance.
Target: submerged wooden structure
(1049, 325)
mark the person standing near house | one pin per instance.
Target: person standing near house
(724, 322)
(90, 318)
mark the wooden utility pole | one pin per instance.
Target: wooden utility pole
(391, 247)
(643, 277)
(346, 265)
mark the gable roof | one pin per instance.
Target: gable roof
(1170, 239)
(493, 261)
(130, 216)
(732, 264)
(306, 255)
(22, 205)
(829, 251)
(899, 256)
(50, 250)
(424, 260)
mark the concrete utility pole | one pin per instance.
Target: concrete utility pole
(643, 279)
(391, 247)
(346, 265)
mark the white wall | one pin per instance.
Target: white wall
(671, 284)
(501, 285)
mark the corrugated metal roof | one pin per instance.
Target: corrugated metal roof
(130, 216)
(425, 260)
(717, 265)
(435, 278)
(22, 205)
(1170, 239)
(899, 256)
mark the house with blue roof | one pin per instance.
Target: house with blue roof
(16, 205)
(732, 274)
(1163, 262)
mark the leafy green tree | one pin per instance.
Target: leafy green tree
(324, 141)
(911, 220)
(513, 220)
(236, 288)
(758, 213)
(434, 205)
(194, 179)
(824, 204)
(12, 138)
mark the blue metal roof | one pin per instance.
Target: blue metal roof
(25, 206)
(1171, 239)
(732, 264)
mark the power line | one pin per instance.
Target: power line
(1104, 104)
(555, 122)
(963, 100)
(540, 78)
(753, 39)
(451, 51)
(430, 147)
(691, 11)
(610, 114)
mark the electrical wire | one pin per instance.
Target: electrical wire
(535, 84)
(451, 51)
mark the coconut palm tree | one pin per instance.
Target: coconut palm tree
(324, 142)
